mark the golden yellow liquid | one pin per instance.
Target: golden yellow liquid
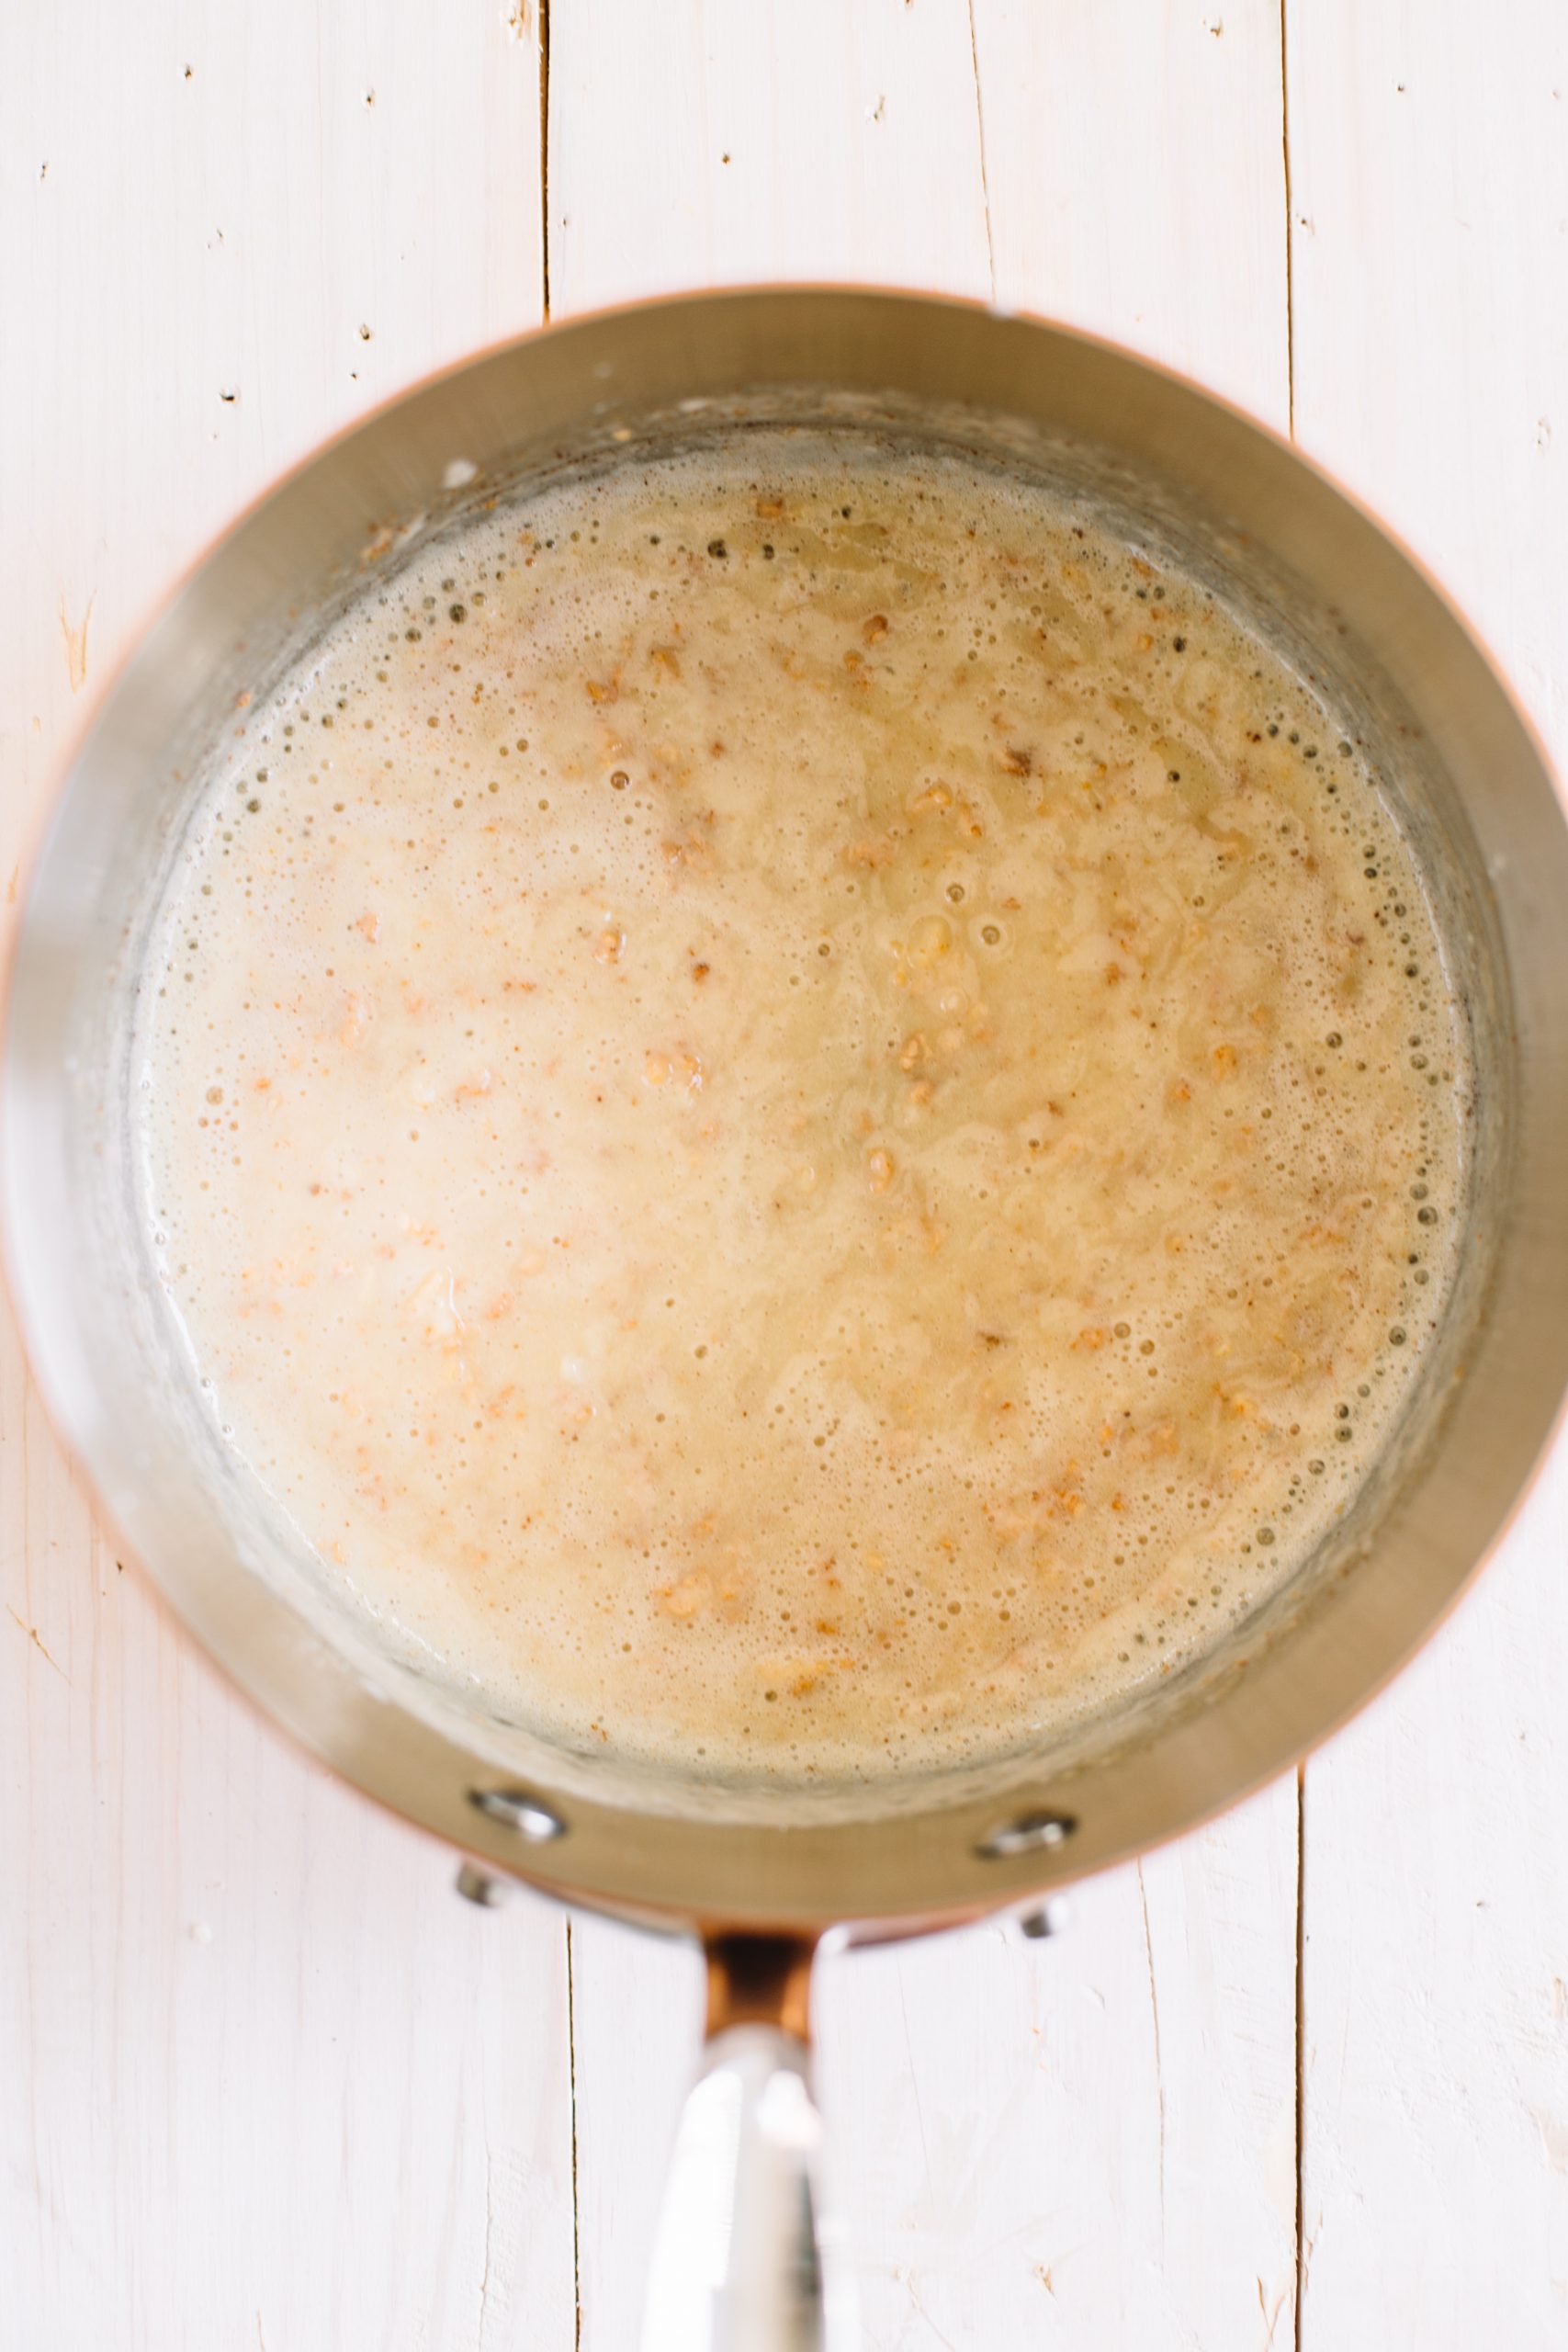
(804, 1115)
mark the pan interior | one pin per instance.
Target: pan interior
(1131, 505)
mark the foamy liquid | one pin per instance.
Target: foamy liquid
(804, 1116)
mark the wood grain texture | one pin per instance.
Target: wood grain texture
(1089, 2140)
(1429, 179)
(1134, 160)
(708, 144)
(263, 2082)
(1094, 2139)
(637, 2016)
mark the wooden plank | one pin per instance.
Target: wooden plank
(1429, 180)
(1135, 166)
(636, 2019)
(1092, 2143)
(696, 146)
(1089, 2142)
(264, 2081)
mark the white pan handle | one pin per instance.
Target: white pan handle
(745, 2259)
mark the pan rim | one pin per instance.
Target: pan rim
(688, 1890)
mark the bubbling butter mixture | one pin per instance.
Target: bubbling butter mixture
(804, 1116)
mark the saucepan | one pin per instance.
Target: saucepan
(761, 1874)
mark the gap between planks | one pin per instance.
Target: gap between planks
(576, 2209)
(545, 301)
(1290, 228)
(1301, 1768)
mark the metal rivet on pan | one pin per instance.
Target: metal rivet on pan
(1029, 1834)
(478, 1886)
(521, 1810)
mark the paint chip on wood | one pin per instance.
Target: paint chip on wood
(74, 635)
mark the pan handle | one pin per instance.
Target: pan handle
(745, 2260)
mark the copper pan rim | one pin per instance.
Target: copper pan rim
(923, 1870)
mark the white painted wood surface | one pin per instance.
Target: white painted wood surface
(263, 2083)
(1429, 203)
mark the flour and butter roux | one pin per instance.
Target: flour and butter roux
(804, 1116)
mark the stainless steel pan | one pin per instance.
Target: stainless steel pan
(760, 1875)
